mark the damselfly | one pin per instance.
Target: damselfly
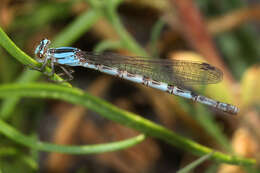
(172, 76)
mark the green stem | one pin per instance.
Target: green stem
(126, 39)
(79, 26)
(107, 44)
(13, 134)
(156, 31)
(194, 164)
(17, 53)
(76, 96)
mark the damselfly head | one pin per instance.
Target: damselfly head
(41, 50)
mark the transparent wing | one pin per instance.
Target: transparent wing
(176, 72)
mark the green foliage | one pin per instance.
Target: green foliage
(76, 96)
(24, 86)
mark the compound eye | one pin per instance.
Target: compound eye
(42, 48)
(45, 43)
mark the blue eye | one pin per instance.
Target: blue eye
(42, 48)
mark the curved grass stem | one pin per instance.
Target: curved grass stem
(77, 96)
(16, 136)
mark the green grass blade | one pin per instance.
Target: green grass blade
(17, 53)
(79, 26)
(77, 96)
(194, 164)
(206, 120)
(13, 134)
(155, 34)
(107, 45)
(108, 9)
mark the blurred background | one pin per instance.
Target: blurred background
(224, 33)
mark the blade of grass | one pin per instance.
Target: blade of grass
(77, 96)
(206, 120)
(194, 164)
(107, 44)
(30, 162)
(77, 28)
(156, 31)
(18, 137)
(108, 9)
